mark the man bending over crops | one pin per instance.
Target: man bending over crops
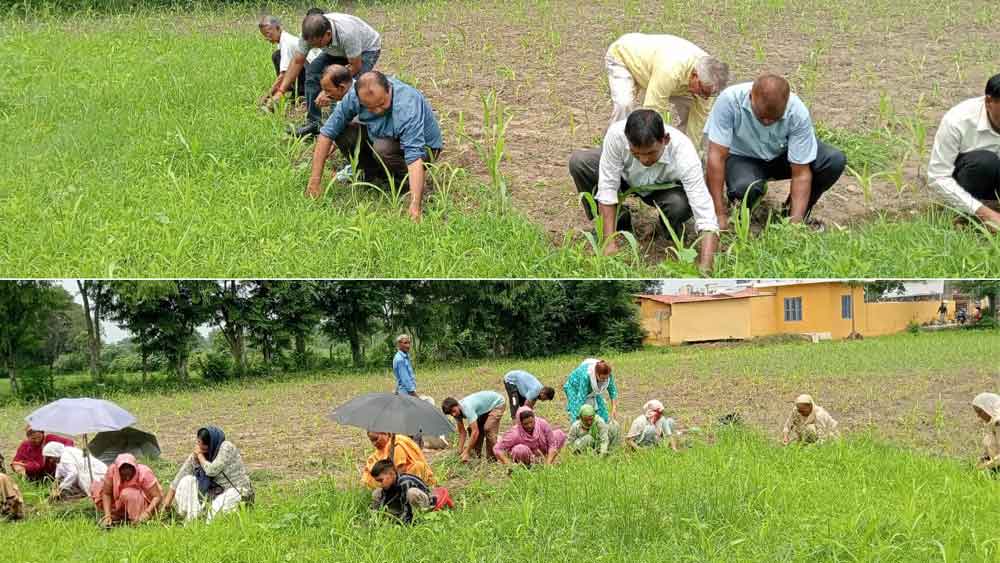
(395, 131)
(270, 28)
(345, 40)
(481, 412)
(759, 131)
(965, 160)
(641, 155)
(674, 72)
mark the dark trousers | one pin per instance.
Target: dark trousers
(300, 82)
(746, 177)
(514, 399)
(375, 152)
(314, 72)
(584, 165)
(978, 172)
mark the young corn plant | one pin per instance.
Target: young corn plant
(597, 239)
(492, 147)
(686, 254)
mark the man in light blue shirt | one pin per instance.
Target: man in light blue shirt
(481, 412)
(759, 131)
(396, 129)
(402, 368)
(523, 389)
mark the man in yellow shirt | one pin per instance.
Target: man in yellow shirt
(674, 72)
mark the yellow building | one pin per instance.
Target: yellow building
(822, 310)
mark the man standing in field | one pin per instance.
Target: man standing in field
(344, 40)
(674, 72)
(965, 160)
(396, 129)
(759, 131)
(402, 368)
(644, 152)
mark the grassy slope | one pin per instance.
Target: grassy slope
(138, 153)
(740, 499)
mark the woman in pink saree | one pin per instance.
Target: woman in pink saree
(532, 439)
(129, 492)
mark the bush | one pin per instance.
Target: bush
(913, 327)
(126, 363)
(70, 363)
(35, 385)
(213, 366)
(623, 334)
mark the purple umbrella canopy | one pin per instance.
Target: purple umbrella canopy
(72, 417)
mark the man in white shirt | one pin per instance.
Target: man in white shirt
(965, 160)
(345, 40)
(642, 151)
(270, 28)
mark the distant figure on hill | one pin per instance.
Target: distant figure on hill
(759, 131)
(808, 423)
(394, 128)
(987, 407)
(651, 428)
(586, 385)
(270, 28)
(644, 154)
(523, 389)
(345, 40)
(675, 73)
(965, 161)
(481, 412)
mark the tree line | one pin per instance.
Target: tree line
(260, 325)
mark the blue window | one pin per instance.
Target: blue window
(846, 307)
(793, 309)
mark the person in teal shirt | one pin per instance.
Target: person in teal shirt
(481, 412)
(586, 385)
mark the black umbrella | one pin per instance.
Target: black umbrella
(392, 413)
(106, 446)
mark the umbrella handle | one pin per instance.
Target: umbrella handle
(86, 452)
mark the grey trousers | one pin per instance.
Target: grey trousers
(746, 177)
(584, 165)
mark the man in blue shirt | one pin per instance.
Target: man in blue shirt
(759, 131)
(396, 130)
(406, 380)
(523, 389)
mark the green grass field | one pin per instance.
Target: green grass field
(133, 148)
(900, 487)
(739, 499)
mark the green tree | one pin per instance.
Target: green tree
(95, 295)
(24, 309)
(351, 310)
(231, 309)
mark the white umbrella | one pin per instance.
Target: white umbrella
(73, 417)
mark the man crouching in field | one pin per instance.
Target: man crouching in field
(642, 151)
(965, 160)
(395, 127)
(759, 131)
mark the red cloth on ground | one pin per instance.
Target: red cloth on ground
(443, 499)
(35, 465)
